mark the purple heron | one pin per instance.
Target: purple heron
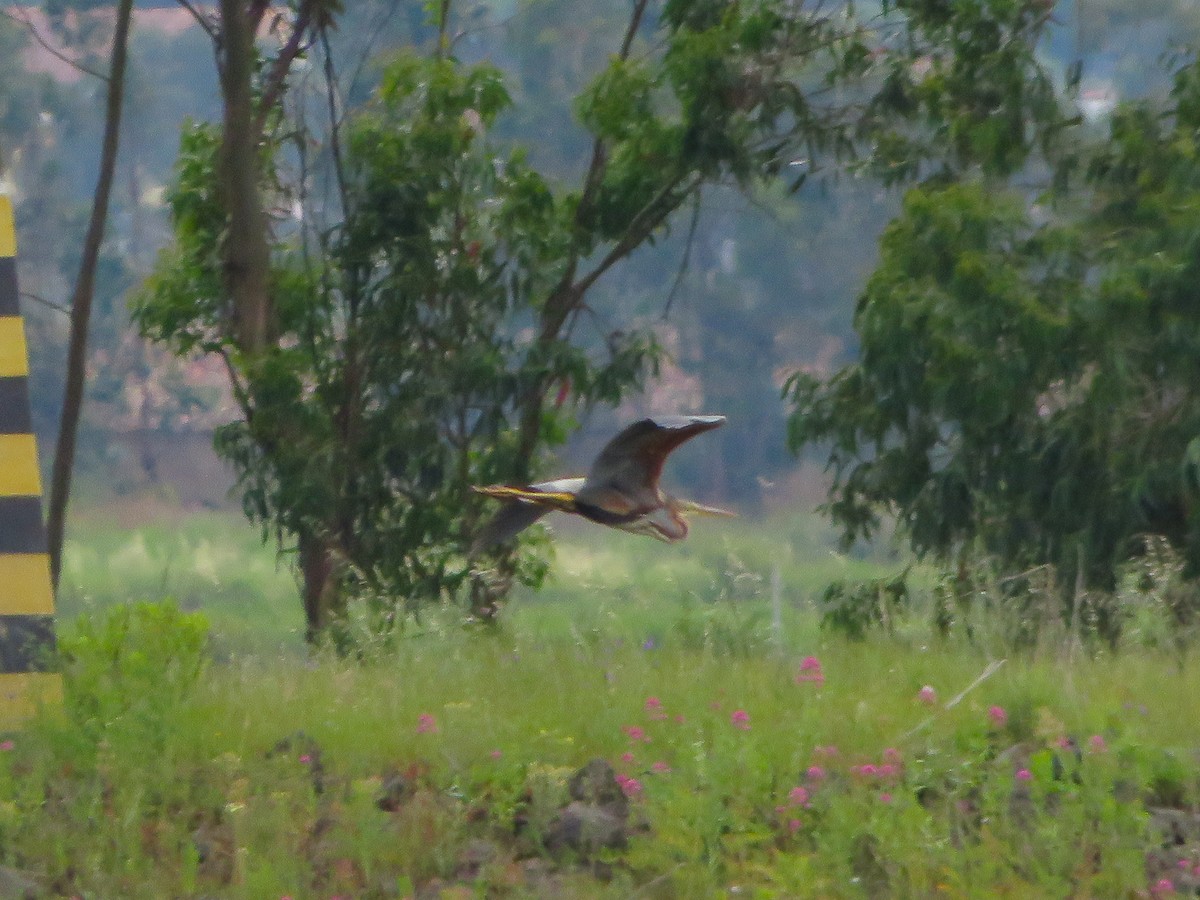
(620, 491)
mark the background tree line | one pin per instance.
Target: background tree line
(423, 272)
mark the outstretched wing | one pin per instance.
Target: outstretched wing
(628, 468)
(514, 517)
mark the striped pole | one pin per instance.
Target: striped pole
(26, 598)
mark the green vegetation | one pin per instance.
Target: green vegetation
(783, 763)
(445, 767)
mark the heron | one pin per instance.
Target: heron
(621, 490)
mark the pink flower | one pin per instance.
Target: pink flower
(305, 758)
(740, 719)
(426, 724)
(927, 695)
(1096, 744)
(6, 745)
(793, 825)
(660, 768)
(997, 716)
(680, 719)
(630, 786)
(1024, 775)
(1063, 743)
(887, 770)
(867, 770)
(810, 670)
(654, 708)
(885, 797)
(815, 773)
(798, 796)
(893, 756)
(1162, 886)
(496, 754)
(627, 757)
(636, 733)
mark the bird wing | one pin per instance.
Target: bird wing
(625, 475)
(517, 514)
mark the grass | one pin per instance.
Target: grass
(444, 766)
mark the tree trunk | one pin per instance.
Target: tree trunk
(318, 587)
(81, 298)
(246, 253)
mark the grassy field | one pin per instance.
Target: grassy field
(640, 729)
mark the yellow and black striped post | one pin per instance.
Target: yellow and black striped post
(26, 598)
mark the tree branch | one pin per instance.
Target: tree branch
(202, 20)
(276, 78)
(55, 52)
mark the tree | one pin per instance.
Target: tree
(1025, 380)
(81, 296)
(436, 332)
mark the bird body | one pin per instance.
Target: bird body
(621, 490)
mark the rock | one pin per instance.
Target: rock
(19, 885)
(596, 784)
(394, 791)
(587, 828)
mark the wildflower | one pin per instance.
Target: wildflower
(997, 716)
(630, 786)
(627, 757)
(885, 797)
(496, 754)
(740, 719)
(893, 756)
(654, 708)
(866, 770)
(660, 768)
(6, 745)
(815, 773)
(649, 644)
(305, 758)
(793, 825)
(1096, 744)
(1024, 775)
(680, 719)
(888, 770)
(636, 733)
(810, 670)
(1162, 886)
(927, 695)
(426, 724)
(798, 796)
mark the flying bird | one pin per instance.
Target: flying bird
(620, 491)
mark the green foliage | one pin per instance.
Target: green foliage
(318, 777)
(854, 609)
(128, 672)
(1024, 390)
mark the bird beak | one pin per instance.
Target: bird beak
(699, 509)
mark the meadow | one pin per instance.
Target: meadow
(649, 725)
